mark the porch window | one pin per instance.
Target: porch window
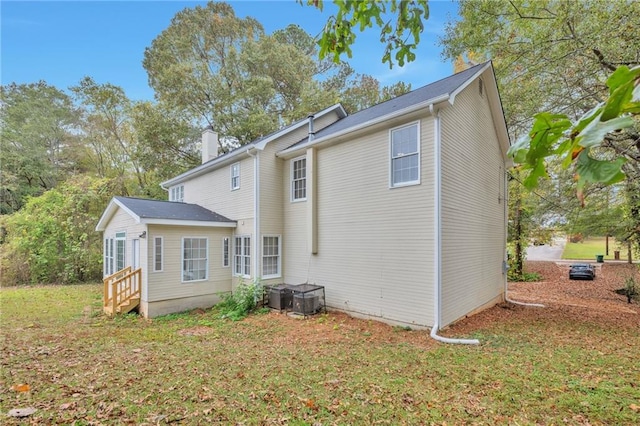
(405, 156)
(225, 252)
(299, 179)
(270, 256)
(157, 254)
(235, 176)
(176, 193)
(242, 256)
(121, 238)
(108, 256)
(194, 259)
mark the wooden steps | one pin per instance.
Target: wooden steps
(124, 307)
(122, 291)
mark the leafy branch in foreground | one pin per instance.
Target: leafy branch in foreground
(555, 135)
(401, 37)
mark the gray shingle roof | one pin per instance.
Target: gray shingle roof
(155, 209)
(434, 90)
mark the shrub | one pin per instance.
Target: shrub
(238, 304)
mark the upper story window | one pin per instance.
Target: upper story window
(299, 179)
(405, 155)
(235, 176)
(176, 193)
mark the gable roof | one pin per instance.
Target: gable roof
(163, 213)
(439, 91)
(259, 143)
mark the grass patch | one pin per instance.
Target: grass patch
(590, 247)
(195, 368)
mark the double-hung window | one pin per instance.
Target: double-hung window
(176, 193)
(405, 155)
(194, 259)
(235, 176)
(299, 179)
(270, 256)
(242, 256)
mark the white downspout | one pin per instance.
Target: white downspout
(437, 286)
(256, 213)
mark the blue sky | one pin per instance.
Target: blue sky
(61, 42)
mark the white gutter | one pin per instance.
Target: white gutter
(429, 103)
(437, 286)
(256, 212)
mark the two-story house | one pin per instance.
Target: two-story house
(398, 210)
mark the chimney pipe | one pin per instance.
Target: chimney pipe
(311, 132)
(209, 144)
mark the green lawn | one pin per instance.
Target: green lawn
(590, 247)
(83, 368)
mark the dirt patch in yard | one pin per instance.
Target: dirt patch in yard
(564, 299)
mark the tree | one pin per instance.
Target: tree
(36, 141)
(559, 57)
(52, 239)
(400, 37)
(365, 91)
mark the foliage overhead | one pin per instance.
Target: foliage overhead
(400, 37)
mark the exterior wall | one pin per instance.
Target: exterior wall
(166, 291)
(473, 207)
(123, 222)
(375, 243)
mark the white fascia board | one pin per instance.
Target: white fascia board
(230, 158)
(304, 123)
(206, 167)
(470, 80)
(114, 204)
(292, 151)
(174, 222)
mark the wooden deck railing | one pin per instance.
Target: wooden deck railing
(121, 288)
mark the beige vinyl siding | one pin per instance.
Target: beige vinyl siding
(213, 191)
(168, 284)
(375, 244)
(473, 235)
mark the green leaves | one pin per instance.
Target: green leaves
(556, 135)
(400, 38)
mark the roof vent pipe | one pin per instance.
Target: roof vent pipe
(311, 132)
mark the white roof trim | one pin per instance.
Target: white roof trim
(294, 149)
(110, 211)
(115, 204)
(228, 159)
(470, 80)
(175, 222)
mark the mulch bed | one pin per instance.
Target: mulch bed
(580, 301)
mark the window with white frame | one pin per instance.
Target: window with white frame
(242, 256)
(176, 193)
(235, 176)
(108, 256)
(299, 179)
(120, 240)
(405, 155)
(194, 259)
(225, 252)
(270, 256)
(157, 254)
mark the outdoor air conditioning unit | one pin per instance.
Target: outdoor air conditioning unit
(306, 304)
(280, 297)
